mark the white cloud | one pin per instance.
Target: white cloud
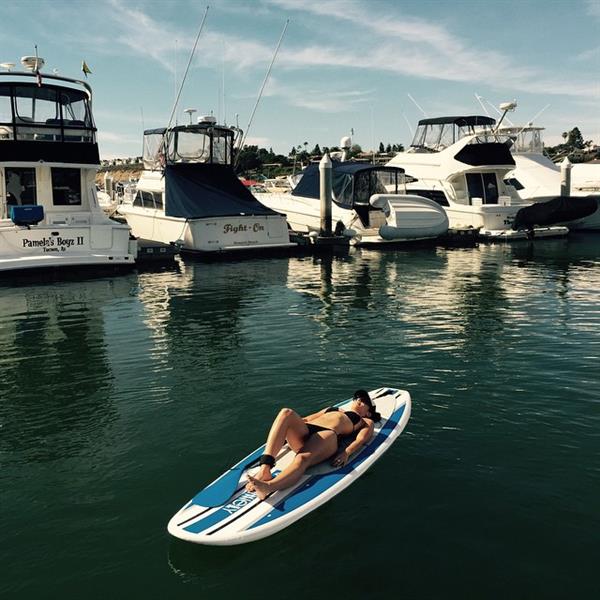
(415, 47)
(322, 99)
(591, 54)
(593, 8)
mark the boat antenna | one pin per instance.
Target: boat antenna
(186, 70)
(480, 100)
(530, 122)
(243, 139)
(417, 105)
(412, 133)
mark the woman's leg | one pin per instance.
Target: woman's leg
(288, 425)
(319, 447)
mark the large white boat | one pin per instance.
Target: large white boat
(367, 206)
(461, 162)
(49, 211)
(538, 179)
(189, 195)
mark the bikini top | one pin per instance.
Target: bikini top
(354, 417)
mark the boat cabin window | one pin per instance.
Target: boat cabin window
(434, 137)
(366, 184)
(20, 186)
(35, 105)
(148, 199)
(190, 144)
(529, 142)
(5, 114)
(484, 186)
(193, 145)
(204, 145)
(47, 113)
(514, 182)
(357, 188)
(66, 186)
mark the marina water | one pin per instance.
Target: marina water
(122, 396)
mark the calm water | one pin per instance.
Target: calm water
(121, 397)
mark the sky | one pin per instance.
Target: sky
(374, 67)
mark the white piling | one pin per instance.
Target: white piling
(108, 186)
(565, 177)
(325, 194)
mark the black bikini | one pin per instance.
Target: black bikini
(354, 417)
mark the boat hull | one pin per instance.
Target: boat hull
(210, 234)
(406, 218)
(53, 246)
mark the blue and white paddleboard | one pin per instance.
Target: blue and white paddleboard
(224, 513)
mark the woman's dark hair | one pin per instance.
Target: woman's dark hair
(364, 396)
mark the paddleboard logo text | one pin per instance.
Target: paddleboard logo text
(240, 502)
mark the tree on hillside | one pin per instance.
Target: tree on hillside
(381, 148)
(571, 147)
(248, 159)
(316, 151)
(575, 139)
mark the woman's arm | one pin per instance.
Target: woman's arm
(362, 437)
(314, 416)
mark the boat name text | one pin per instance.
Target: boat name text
(53, 244)
(229, 228)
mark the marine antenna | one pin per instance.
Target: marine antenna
(417, 105)
(243, 139)
(183, 79)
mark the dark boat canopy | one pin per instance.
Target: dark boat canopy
(353, 183)
(470, 120)
(193, 191)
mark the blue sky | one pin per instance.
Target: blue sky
(343, 64)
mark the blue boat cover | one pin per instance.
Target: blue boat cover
(310, 184)
(197, 190)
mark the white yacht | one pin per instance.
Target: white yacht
(49, 211)
(189, 195)
(367, 206)
(537, 178)
(461, 163)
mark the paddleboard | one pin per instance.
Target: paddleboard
(225, 514)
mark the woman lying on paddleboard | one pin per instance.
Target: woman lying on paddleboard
(314, 439)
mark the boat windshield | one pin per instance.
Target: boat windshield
(48, 114)
(435, 137)
(190, 144)
(357, 188)
(527, 140)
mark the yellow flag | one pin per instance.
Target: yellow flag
(86, 70)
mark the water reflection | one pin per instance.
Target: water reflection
(55, 374)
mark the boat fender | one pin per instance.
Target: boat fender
(388, 232)
(351, 233)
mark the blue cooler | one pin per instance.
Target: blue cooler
(27, 215)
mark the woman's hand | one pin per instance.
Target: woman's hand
(340, 459)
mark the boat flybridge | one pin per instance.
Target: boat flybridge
(49, 212)
(189, 195)
(462, 163)
(538, 179)
(369, 205)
